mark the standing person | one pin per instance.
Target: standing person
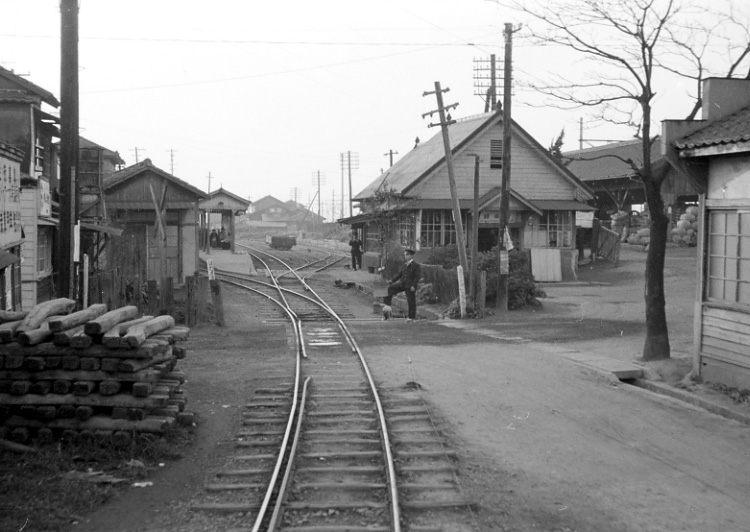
(405, 281)
(356, 245)
(213, 239)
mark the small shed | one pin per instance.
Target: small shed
(159, 214)
(228, 205)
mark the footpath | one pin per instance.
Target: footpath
(603, 292)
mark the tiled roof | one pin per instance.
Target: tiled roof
(728, 130)
(608, 161)
(28, 86)
(15, 96)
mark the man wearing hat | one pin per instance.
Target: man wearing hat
(405, 281)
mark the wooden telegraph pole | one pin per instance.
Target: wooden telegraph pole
(68, 144)
(444, 122)
(501, 302)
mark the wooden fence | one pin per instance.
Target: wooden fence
(608, 245)
(190, 305)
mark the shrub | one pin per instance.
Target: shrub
(446, 257)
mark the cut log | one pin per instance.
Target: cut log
(84, 412)
(138, 334)
(109, 387)
(62, 338)
(78, 318)
(8, 330)
(13, 361)
(142, 389)
(178, 333)
(20, 387)
(39, 313)
(41, 387)
(71, 362)
(90, 363)
(61, 387)
(106, 321)
(16, 447)
(34, 363)
(35, 336)
(112, 339)
(148, 349)
(81, 340)
(12, 315)
(148, 375)
(83, 387)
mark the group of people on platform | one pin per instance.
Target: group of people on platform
(406, 280)
(219, 239)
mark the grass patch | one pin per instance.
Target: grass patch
(49, 489)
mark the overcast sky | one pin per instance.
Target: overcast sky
(264, 95)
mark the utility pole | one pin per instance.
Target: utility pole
(501, 302)
(171, 162)
(444, 123)
(352, 162)
(317, 181)
(391, 153)
(135, 150)
(209, 182)
(343, 193)
(69, 144)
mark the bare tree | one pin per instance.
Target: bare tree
(629, 44)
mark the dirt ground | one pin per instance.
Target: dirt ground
(544, 444)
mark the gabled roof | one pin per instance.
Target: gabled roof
(732, 129)
(608, 161)
(147, 166)
(28, 86)
(84, 143)
(221, 191)
(266, 201)
(427, 157)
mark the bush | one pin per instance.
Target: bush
(522, 291)
(446, 257)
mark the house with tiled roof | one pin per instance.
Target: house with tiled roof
(159, 215)
(544, 194)
(714, 155)
(29, 128)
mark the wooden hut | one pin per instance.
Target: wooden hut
(159, 214)
(226, 204)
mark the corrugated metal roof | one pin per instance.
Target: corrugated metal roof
(731, 129)
(609, 161)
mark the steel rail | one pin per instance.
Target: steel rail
(385, 438)
(281, 497)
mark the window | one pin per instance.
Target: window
(496, 154)
(558, 225)
(728, 275)
(438, 228)
(406, 229)
(44, 249)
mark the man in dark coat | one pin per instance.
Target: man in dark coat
(405, 281)
(356, 245)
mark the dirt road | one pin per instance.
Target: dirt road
(544, 444)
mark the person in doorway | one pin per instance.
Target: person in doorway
(405, 281)
(222, 234)
(356, 245)
(213, 239)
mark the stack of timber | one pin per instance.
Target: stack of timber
(89, 375)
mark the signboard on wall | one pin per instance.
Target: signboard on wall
(584, 219)
(45, 199)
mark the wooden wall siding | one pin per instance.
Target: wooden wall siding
(137, 190)
(532, 176)
(725, 337)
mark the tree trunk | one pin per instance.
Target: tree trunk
(656, 346)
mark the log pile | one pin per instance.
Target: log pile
(89, 375)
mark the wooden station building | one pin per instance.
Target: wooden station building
(229, 206)
(159, 214)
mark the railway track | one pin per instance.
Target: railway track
(320, 448)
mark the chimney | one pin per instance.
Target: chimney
(722, 97)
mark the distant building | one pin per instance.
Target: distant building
(228, 206)
(294, 216)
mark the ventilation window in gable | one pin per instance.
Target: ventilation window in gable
(496, 154)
